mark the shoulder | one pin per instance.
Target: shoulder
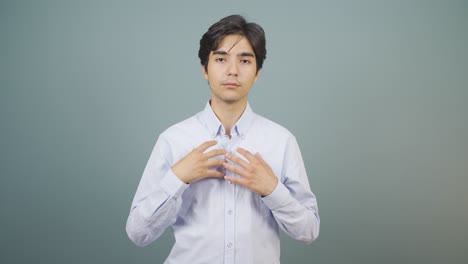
(264, 124)
(270, 131)
(189, 127)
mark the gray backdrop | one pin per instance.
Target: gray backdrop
(375, 92)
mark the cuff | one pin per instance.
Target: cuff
(278, 198)
(172, 185)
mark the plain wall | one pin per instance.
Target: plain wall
(375, 91)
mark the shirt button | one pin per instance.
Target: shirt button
(229, 212)
(229, 245)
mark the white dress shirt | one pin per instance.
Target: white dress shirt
(215, 221)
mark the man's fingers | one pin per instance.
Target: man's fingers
(244, 164)
(234, 169)
(206, 145)
(214, 153)
(214, 173)
(214, 162)
(260, 158)
(246, 154)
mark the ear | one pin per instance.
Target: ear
(205, 73)
(257, 75)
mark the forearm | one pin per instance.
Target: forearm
(153, 213)
(299, 220)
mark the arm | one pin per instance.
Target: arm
(159, 195)
(292, 203)
(290, 200)
(157, 199)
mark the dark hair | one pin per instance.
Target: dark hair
(233, 25)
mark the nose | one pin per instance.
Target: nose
(232, 69)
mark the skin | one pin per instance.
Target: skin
(198, 164)
(231, 72)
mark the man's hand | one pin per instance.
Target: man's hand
(256, 174)
(198, 165)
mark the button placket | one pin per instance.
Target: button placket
(229, 205)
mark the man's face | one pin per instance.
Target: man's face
(232, 70)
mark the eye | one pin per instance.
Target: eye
(220, 60)
(245, 61)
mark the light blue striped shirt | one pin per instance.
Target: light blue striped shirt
(215, 221)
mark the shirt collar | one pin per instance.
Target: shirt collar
(215, 127)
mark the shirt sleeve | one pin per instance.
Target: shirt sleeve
(157, 199)
(292, 203)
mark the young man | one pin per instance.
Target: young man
(226, 179)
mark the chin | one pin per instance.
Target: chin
(230, 100)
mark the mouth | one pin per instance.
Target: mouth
(231, 85)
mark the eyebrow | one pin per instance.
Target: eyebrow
(242, 54)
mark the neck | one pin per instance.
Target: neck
(228, 113)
